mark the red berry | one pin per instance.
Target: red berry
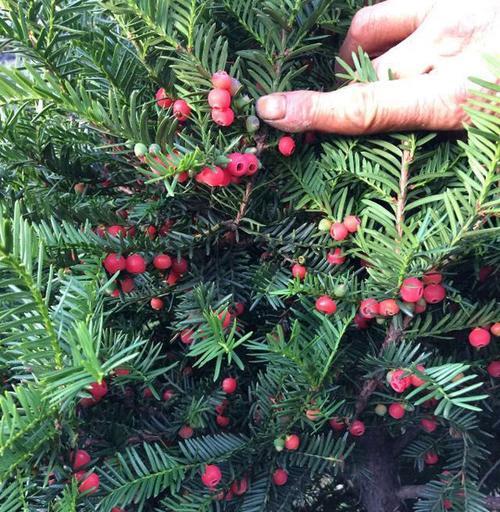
(81, 459)
(429, 424)
(186, 432)
(432, 278)
(168, 394)
(117, 509)
(97, 390)
(335, 257)
(397, 380)
(135, 264)
(187, 336)
(494, 369)
(388, 307)
(162, 98)
(89, 484)
(412, 289)
(396, 411)
(221, 80)
(225, 316)
(420, 306)
(338, 231)
(237, 165)
(479, 337)
(252, 163)
(286, 145)
(215, 177)
(434, 293)
(181, 110)
(127, 284)
(239, 308)
(369, 308)
(292, 442)
(337, 424)
(280, 477)
(156, 303)
(182, 177)
(351, 222)
(87, 402)
(117, 231)
(299, 271)
(313, 414)
(122, 372)
(240, 487)
(357, 428)
(219, 98)
(162, 261)
(222, 421)
(223, 116)
(495, 329)
(431, 458)
(151, 231)
(211, 476)
(326, 305)
(361, 322)
(114, 263)
(415, 380)
(229, 385)
(447, 504)
(179, 266)
(172, 278)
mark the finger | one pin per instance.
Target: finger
(379, 27)
(410, 58)
(425, 102)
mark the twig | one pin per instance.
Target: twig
(488, 473)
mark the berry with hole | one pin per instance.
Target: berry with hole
(434, 293)
(237, 165)
(369, 308)
(398, 381)
(211, 476)
(479, 337)
(357, 428)
(388, 307)
(181, 110)
(286, 145)
(252, 163)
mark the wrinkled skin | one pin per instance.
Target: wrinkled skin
(431, 47)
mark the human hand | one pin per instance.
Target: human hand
(430, 46)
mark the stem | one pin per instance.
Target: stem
(407, 159)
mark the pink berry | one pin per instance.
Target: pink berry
(212, 177)
(431, 458)
(114, 262)
(432, 278)
(292, 442)
(81, 459)
(229, 385)
(168, 394)
(89, 484)
(494, 369)
(434, 293)
(252, 163)
(223, 116)
(222, 421)
(221, 80)
(162, 261)
(237, 165)
(336, 424)
(219, 98)
(181, 110)
(415, 380)
(135, 264)
(338, 231)
(398, 381)
(326, 305)
(286, 145)
(357, 428)
(495, 329)
(369, 308)
(211, 476)
(396, 411)
(479, 337)
(351, 222)
(187, 336)
(156, 303)
(299, 271)
(97, 390)
(186, 432)
(429, 424)
(412, 289)
(280, 477)
(163, 99)
(117, 231)
(388, 307)
(179, 266)
(335, 257)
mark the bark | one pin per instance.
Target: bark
(377, 480)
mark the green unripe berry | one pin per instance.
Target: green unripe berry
(242, 101)
(381, 409)
(252, 124)
(140, 149)
(324, 225)
(279, 444)
(155, 149)
(380, 320)
(340, 290)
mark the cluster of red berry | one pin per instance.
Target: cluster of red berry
(219, 98)
(135, 264)
(239, 165)
(180, 108)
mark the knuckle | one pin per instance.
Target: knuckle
(364, 116)
(360, 23)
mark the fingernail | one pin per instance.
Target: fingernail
(272, 107)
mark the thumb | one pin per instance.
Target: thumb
(423, 102)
